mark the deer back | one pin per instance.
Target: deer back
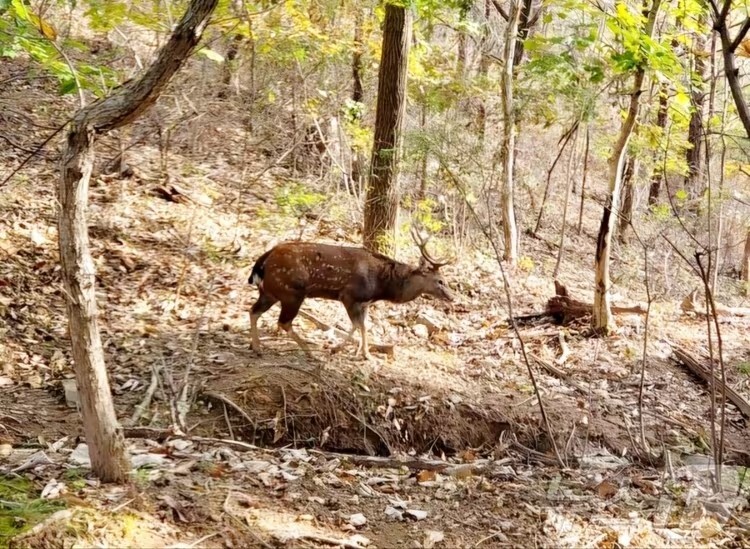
(295, 270)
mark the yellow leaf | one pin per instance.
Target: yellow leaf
(45, 28)
(744, 48)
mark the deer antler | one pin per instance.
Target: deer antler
(421, 243)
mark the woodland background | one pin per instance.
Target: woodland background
(267, 133)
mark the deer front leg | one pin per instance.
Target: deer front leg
(264, 303)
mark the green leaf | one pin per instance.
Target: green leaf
(67, 86)
(212, 55)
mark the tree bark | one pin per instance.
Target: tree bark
(746, 263)
(693, 155)
(661, 122)
(103, 432)
(358, 96)
(728, 47)
(507, 149)
(628, 191)
(381, 204)
(601, 320)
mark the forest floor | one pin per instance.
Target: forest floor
(277, 447)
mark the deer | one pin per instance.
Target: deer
(293, 271)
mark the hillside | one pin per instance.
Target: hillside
(439, 444)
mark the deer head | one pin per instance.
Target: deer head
(428, 276)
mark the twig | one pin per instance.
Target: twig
(331, 541)
(60, 516)
(146, 402)
(509, 303)
(225, 400)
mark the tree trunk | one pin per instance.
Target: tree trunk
(483, 69)
(584, 178)
(358, 96)
(103, 433)
(746, 263)
(381, 205)
(507, 149)
(601, 320)
(728, 47)
(694, 178)
(661, 122)
(526, 22)
(628, 191)
(569, 178)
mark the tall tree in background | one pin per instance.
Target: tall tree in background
(694, 154)
(508, 145)
(729, 46)
(637, 62)
(381, 205)
(103, 433)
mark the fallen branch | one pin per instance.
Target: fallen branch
(686, 359)
(58, 517)
(564, 308)
(479, 466)
(558, 373)
(691, 305)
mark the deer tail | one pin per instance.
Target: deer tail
(258, 272)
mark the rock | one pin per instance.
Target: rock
(357, 520)
(420, 330)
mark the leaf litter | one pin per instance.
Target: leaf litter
(172, 288)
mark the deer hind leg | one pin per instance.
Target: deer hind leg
(264, 303)
(289, 311)
(358, 316)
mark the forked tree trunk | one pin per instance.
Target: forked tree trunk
(508, 146)
(728, 46)
(103, 433)
(381, 204)
(602, 320)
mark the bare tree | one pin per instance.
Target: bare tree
(508, 146)
(381, 205)
(103, 432)
(729, 45)
(601, 320)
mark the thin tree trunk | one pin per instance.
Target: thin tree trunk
(483, 69)
(601, 320)
(381, 205)
(694, 178)
(565, 140)
(657, 176)
(358, 96)
(423, 163)
(570, 176)
(103, 432)
(507, 149)
(628, 191)
(746, 263)
(584, 178)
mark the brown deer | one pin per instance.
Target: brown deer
(293, 271)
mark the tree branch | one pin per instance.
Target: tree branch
(741, 36)
(500, 9)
